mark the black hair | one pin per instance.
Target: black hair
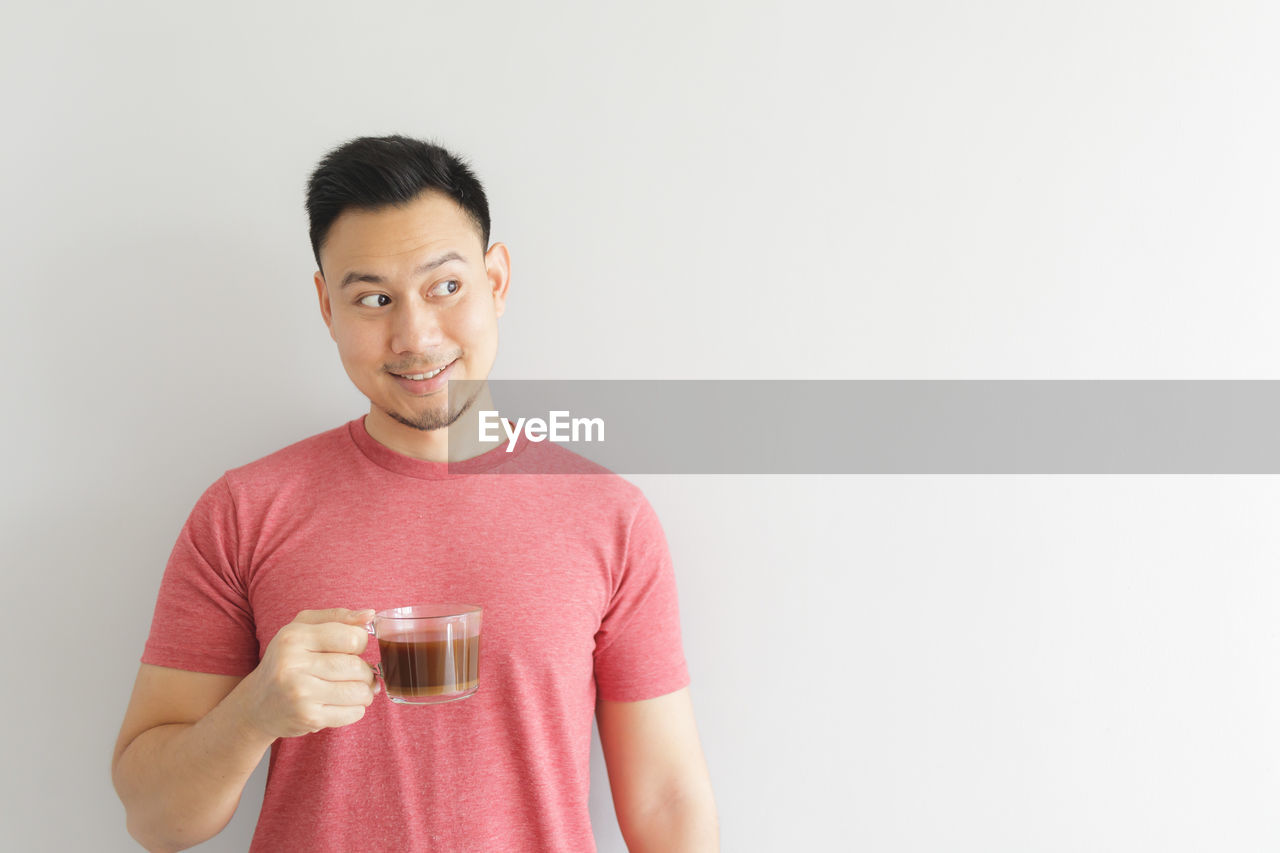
(381, 171)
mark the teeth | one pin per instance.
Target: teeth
(421, 376)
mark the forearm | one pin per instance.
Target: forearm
(180, 784)
(685, 824)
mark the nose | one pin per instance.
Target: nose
(415, 328)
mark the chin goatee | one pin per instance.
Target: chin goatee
(432, 420)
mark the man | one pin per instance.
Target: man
(255, 644)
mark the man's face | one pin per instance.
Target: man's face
(407, 291)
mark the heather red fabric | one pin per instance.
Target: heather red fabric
(579, 596)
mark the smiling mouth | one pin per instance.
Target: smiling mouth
(418, 377)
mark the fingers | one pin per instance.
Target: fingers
(342, 667)
(319, 717)
(315, 704)
(336, 614)
(311, 676)
(335, 694)
(335, 630)
(328, 637)
(332, 716)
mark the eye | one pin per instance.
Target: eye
(364, 300)
(456, 285)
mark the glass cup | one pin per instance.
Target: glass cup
(430, 652)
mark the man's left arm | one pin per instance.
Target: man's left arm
(661, 787)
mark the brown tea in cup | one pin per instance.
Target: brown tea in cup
(430, 653)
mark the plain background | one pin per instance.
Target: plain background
(695, 190)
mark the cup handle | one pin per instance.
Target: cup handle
(377, 667)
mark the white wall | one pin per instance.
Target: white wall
(695, 190)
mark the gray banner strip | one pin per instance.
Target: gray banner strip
(912, 426)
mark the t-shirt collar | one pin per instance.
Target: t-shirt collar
(424, 469)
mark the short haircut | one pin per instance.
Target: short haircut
(383, 171)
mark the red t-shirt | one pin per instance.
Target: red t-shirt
(579, 597)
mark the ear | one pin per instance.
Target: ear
(497, 266)
(326, 310)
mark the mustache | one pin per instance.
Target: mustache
(418, 368)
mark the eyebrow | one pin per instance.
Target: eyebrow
(355, 276)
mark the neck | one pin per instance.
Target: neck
(459, 441)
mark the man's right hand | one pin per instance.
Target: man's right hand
(190, 740)
(311, 676)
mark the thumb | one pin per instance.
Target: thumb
(335, 614)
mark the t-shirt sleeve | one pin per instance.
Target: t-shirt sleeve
(639, 654)
(202, 620)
